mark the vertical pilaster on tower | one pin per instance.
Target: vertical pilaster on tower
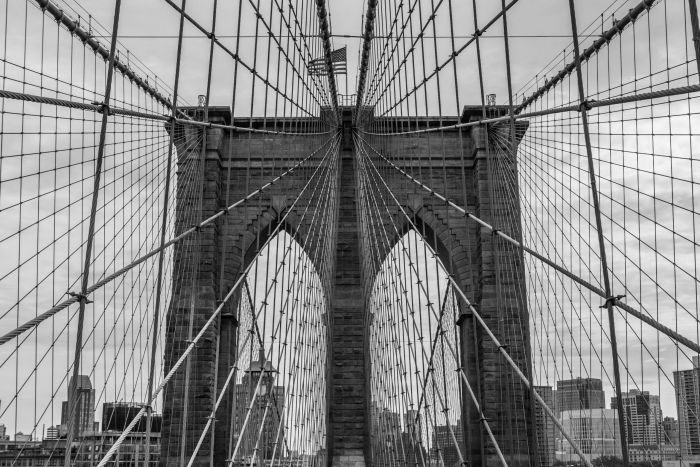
(349, 397)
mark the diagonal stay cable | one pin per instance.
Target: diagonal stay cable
(483, 419)
(256, 315)
(235, 56)
(75, 298)
(590, 103)
(206, 325)
(145, 115)
(500, 347)
(634, 312)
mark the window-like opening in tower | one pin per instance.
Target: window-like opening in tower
(415, 395)
(280, 389)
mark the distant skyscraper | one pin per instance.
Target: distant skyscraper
(443, 449)
(414, 424)
(579, 394)
(412, 439)
(386, 435)
(271, 440)
(596, 431)
(688, 403)
(546, 444)
(670, 429)
(84, 406)
(642, 417)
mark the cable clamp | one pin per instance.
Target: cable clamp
(103, 107)
(495, 232)
(191, 341)
(196, 227)
(82, 298)
(585, 106)
(503, 346)
(612, 301)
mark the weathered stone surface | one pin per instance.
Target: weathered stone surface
(489, 272)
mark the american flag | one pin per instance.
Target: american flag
(339, 59)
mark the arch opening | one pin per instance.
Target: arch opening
(413, 343)
(279, 407)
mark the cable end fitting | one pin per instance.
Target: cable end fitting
(612, 301)
(82, 298)
(585, 106)
(103, 107)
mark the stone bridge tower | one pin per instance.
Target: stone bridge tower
(489, 272)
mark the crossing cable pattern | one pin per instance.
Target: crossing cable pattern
(639, 103)
(149, 226)
(178, 261)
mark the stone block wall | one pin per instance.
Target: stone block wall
(235, 164)
(489, 270)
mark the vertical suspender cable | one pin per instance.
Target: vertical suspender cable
(73, 389)
(197, 246)
(532, 437)
(161, 254)
(364, 61)
(693, 7)
(610, 301)
(322, 12)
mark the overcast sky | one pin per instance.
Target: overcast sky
(540, 31)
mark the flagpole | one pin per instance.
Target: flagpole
(347, 93)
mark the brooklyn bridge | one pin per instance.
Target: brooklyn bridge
(305, 233)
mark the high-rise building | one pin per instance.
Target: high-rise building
(84, 405)
(687, 384)
(3, 433)
(642, 417)
(412, 439)
(670, 430)
(386, 435)
(442, 448)
(579, 394)
(270, 441)
(545, 428)
(595, 431)
(414, 423)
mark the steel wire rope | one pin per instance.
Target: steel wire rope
(492, 337)
(238, 442)
(434, 342)
(194, 341)
(627, 308)
(64, 304)
(256, 315)
(234, 56)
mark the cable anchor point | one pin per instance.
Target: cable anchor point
(82, 298)
(612, 301)
(103, 107)
(585, 105)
